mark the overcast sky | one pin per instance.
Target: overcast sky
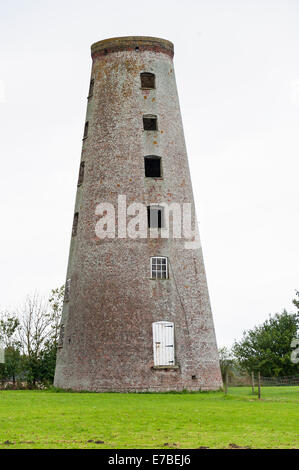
(237, 74)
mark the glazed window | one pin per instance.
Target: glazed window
(152, 166)
(81, 173)
(85, 130)
(75, 224)
(163, 343)
(150, 123)
(155, 216)
(159, 267)
(91, 85)
(147, 80)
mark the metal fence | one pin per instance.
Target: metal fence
(246, 380)
(276, 381)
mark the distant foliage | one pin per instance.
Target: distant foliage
(267, 348)
(9, 330)
(227, 362)
(30, 339)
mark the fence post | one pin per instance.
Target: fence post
(259, 384)
(252, 382)
(226, 382)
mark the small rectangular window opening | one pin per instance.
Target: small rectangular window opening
(155, 216)
(81, 173)
(150, 123)
(85, 130)
(147, 80)
(75, 224)
(91, 85)
(152, 166)
(159, 267)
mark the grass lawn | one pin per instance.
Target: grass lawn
(55, 420)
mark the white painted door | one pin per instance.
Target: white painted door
(163, 342)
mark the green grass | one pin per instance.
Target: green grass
(47, 419)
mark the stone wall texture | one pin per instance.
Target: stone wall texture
(107, 343)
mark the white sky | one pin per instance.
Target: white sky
(237, 73)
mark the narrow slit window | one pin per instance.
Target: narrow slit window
(152, 166)
(91, 85)
(81, 173)
(159, 267)
(85, 130)
(163, 343)
(155, 216)
(150, 123)
(147, 80)
(75, 224)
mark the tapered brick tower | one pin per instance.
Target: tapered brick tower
(136, 314)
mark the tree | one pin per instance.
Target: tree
(48, 354)
(227, 362)
(9, 328)
(296, 301)
(35, 329)
(31, 337)
(267, 348)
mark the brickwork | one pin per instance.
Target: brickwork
(113, 302)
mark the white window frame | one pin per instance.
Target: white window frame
(158, 275)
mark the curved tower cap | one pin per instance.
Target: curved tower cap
(137, 43)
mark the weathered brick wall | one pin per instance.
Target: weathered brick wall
(113, 302)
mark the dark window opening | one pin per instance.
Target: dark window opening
(152, 166)
(81, 173)
(193, 377)
(137, 48)
(105, 51)
(155, 217)
(147, 80)
(75, 224)
(85, 130)
(61, 336)
(90, 93)
(150, 123)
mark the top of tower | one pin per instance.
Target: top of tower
(137, 43)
